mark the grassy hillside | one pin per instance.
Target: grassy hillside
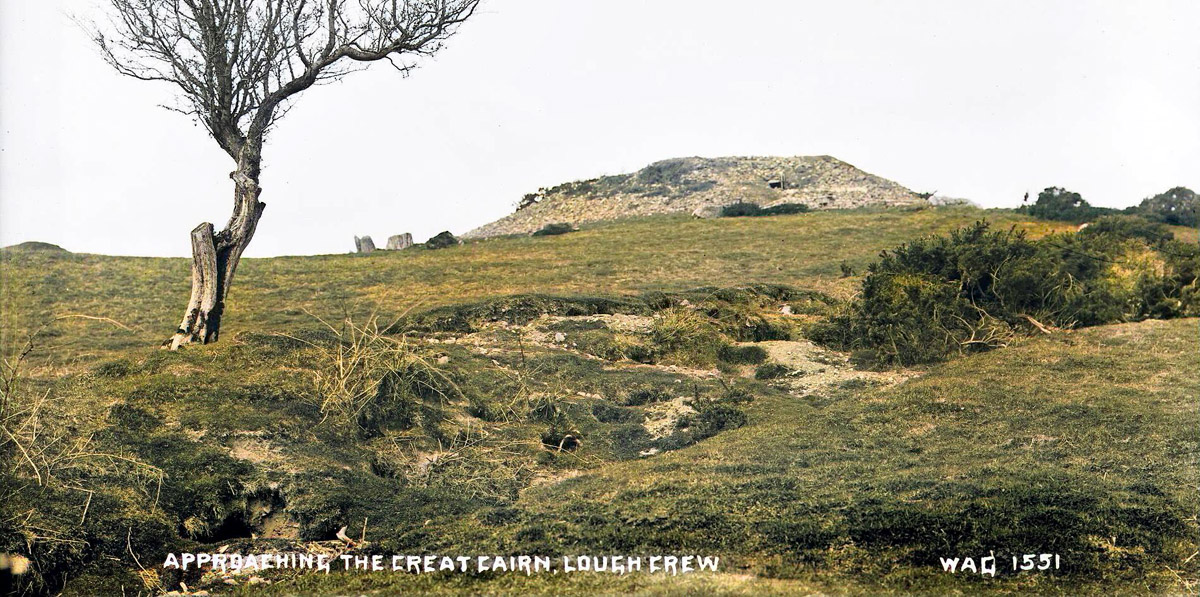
(658, 253)
(1070, 444)
(650, 392)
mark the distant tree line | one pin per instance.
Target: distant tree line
(1176, 207)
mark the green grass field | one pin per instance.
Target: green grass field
(823, 479)
(148, 294)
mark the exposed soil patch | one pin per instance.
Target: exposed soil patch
(813, 368)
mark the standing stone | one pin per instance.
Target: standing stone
(364, 244)
(397, 242)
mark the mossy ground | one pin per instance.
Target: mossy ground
(1075, 443)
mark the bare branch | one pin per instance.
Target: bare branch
(238, 62)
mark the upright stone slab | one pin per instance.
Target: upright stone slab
(368, 245)
(397, 242)
(357, 245)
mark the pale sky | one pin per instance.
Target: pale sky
(983, 100)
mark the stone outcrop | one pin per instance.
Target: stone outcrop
(701, 186)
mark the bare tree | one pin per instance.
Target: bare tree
(240, 65)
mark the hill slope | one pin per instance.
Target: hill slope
(689, 184)
(828, 479)
(33, 245)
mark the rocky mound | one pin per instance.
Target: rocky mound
(703, 186)
(34, 246)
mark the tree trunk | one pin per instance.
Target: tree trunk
(215, 255)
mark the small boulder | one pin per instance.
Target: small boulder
(442, 240)
(707, 211)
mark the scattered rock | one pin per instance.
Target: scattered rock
(560, 337)
(786, 310)
(707, 212)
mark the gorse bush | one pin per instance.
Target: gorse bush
(743, 209)
(972, 290)
(1056, 203)
(554, 229)
(1177, 206)
(1152, 233)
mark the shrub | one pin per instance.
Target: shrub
(646, 395)
(1122, 227)
(685, 337)
(740, 209)
(972, 290)
(554, 229)
(710, 419)
(735, 395)
(442, 240)
(743, 321)
(771, 371)
(1177, 207)
(742, 355)
(1056, 203)
(784, 209)
(745, 209)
